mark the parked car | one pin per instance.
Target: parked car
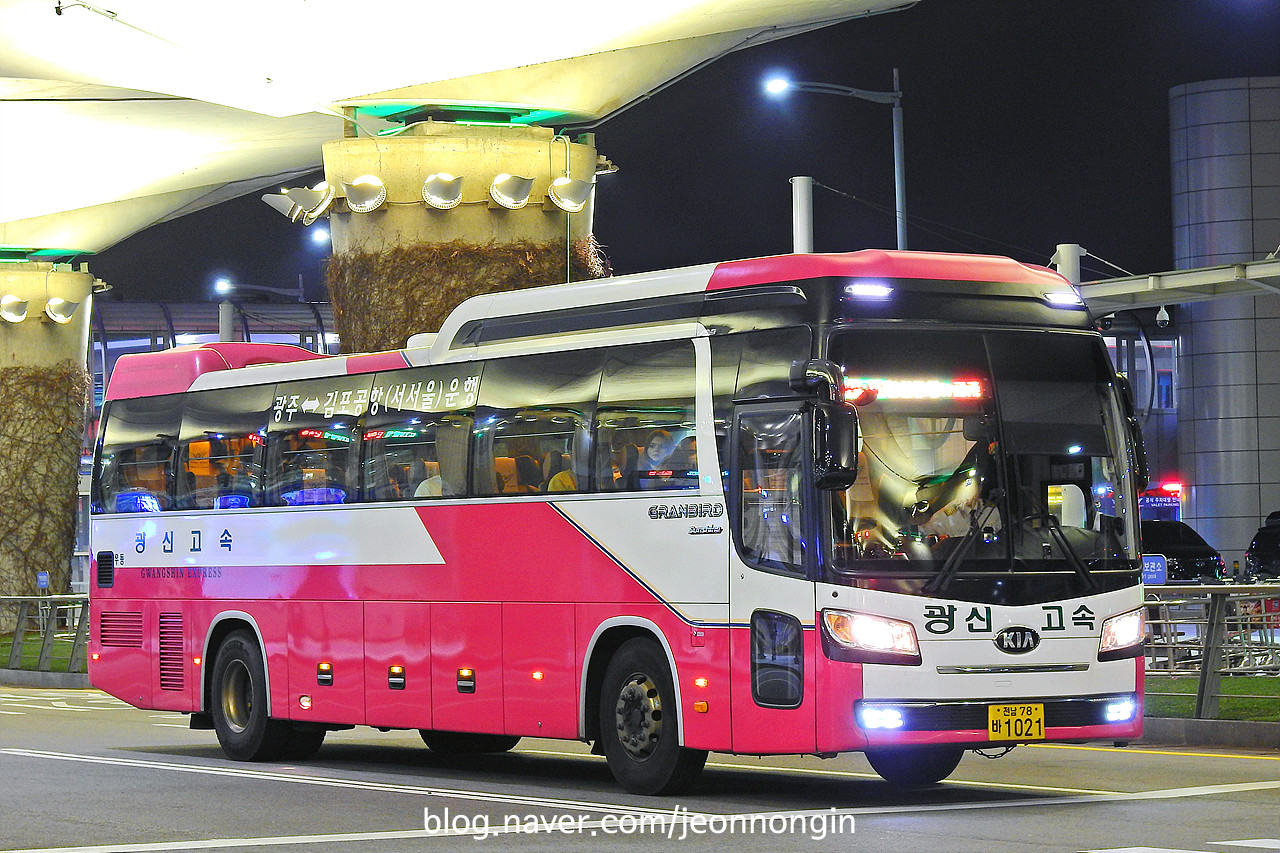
(1188, 558)
(1262, 559)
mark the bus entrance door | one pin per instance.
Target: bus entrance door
(773, 643)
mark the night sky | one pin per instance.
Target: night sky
(1027, 123)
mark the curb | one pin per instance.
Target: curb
(1188, 732)
(27, 678)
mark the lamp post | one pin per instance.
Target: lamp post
(224, 287)
(781, 85)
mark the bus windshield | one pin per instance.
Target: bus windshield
(990, 466)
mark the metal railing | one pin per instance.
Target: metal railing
(1213, 631)
(59, 623)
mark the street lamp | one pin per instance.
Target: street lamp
(226, 288)
(778, 86)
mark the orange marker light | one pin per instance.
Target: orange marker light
(700, 706)
(197, 660)
(96, 656)
(701, 681)
(538, 675)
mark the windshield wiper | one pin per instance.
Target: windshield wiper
(1055, 530)
(951, 566)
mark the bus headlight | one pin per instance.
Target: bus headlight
(1122, 635)
(864, 638)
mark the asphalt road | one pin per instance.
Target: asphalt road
(82, 771)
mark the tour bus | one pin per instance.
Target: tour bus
(809, 504)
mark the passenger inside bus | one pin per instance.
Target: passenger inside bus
(647, 473)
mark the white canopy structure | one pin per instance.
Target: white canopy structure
(117, 118)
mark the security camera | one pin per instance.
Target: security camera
(1105, 323)
(1162, 317)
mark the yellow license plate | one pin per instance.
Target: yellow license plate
(1015, 722)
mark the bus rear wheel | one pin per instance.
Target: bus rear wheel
(915, 766)
(639, 723)
(239, 703)
(457, 743)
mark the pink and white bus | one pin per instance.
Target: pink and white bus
(810, 504)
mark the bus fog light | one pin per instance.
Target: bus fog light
(1121, 711)
(873, 717)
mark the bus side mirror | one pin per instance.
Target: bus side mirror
(816, 376)
(835, 446)
(1137, 447)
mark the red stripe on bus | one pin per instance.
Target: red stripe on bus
(879, 263)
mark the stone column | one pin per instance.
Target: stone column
(1225, 137)
(43, 389)
(402, 267)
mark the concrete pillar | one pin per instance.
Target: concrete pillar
(402, 267)
(1225, 138)
(43, 388)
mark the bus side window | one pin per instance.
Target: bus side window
(532, 429)
(646, 418)
(417, 432)
(312, 441)
(219, 463)
(136, 460)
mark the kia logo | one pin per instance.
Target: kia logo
(1017, 640)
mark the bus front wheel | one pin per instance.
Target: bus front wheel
(239, 703)
(915, 766)
(639, 731)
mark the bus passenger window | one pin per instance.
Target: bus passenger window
(312, 449)
(135, 472)
(646, 419)
(532, 430)
(219, 459)
(417, 433)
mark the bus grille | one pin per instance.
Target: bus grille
(171, 668)
(120, 629)
(962, 716)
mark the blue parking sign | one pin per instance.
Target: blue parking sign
(1154, 569)
(42, 580)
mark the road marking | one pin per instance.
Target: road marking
(1144, 850)
(336, 782)
(1124, 749)
(1256, 843)
(614, 808)
(843, 774)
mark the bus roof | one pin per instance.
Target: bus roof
(175, 370)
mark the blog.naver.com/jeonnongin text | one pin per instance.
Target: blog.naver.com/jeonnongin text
(677, 824)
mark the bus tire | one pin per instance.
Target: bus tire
(639, 723)
(459, 743)
(238, 703)
(303, 742)
(915, 766)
